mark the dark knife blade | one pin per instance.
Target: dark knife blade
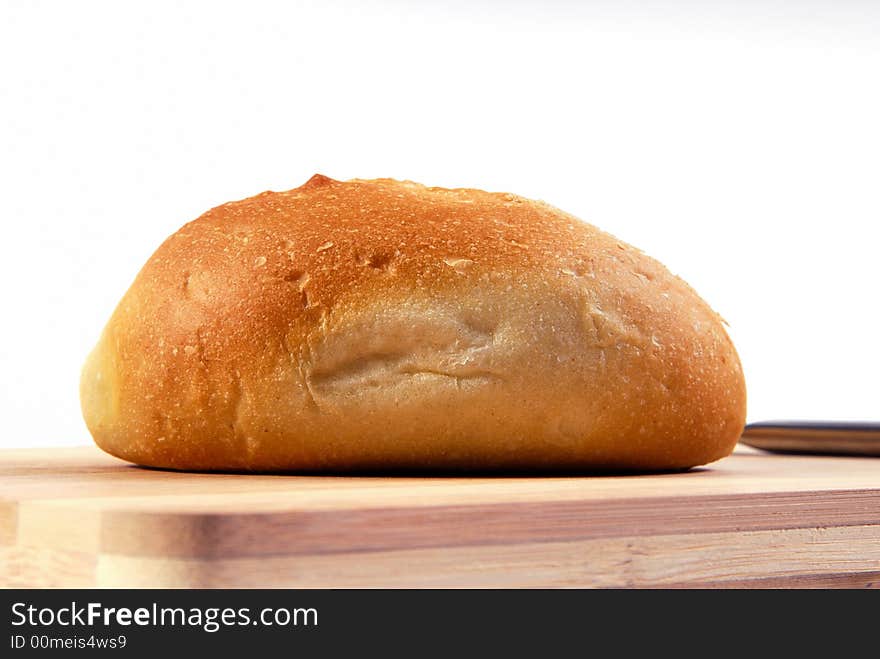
(814, 437)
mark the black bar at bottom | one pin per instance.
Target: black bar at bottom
(419, 622)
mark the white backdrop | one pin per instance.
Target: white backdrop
(738, 142)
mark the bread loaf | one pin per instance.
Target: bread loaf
(379, 324)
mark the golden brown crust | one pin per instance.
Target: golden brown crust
(384, 324)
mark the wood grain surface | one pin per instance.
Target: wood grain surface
(76, 517)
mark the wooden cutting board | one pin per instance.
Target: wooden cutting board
(79, 518)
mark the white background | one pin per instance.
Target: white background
(738, 142)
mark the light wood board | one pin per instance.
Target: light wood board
(79, 518)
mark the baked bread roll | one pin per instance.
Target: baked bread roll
(373, 325)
